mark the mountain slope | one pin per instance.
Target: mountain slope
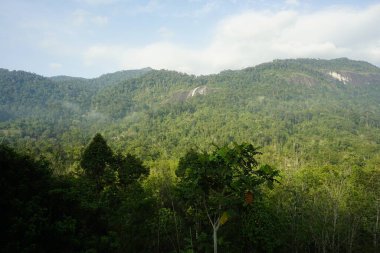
(29, 95)
(302, 111)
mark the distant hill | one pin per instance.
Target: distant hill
(30, 95)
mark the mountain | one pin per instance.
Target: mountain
(301, 111)
(160, 178)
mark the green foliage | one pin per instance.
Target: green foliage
(321, 133)
(130, 169)
(96, 157)
(212, 185)
(293, 108)
(43, 213)
(24, 186)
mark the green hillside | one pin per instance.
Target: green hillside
(179, 166)
(295, 109)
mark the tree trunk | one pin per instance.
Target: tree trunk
(376, 225)
(334, 226)
(176, 227)
(215, 238)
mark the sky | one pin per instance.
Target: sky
(88, 38)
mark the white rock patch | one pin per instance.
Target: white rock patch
(200, 90)
(339, 77)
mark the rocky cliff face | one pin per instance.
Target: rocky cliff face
(200, 90)
(355, 78)
(183, 95)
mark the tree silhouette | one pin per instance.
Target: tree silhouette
(96, 157)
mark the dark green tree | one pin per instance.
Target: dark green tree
(95, 159)
(129, 169)
(23, 187)
(40, 212)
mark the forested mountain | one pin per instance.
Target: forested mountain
(29, 95)
(316, 121)
(298, 109)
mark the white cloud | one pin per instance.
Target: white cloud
(254, 37)
(157, 55)
(55, 66)
(106, 55)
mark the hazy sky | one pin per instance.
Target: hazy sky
(91, 37)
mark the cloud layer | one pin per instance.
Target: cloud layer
(254, 37)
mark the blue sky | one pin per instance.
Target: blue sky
(91, 37)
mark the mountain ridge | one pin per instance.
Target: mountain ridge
(155, 115)
(360, 64)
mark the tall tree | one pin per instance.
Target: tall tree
(96, 157)
(216, 184)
